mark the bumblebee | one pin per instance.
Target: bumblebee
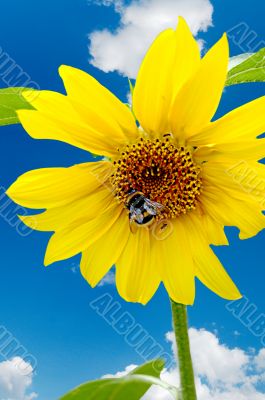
(142, 211)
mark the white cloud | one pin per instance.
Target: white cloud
(222, 373)
(118, 4)
(260, 360)
(14, 382)
(236, 60)
(216, 362)
(119, 374)
(109, 279)
(140, 22)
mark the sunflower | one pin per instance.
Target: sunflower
(163, 190)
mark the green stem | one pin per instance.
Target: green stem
(180, 325)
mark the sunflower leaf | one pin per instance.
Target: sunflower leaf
(236, 60)
(11, 99)
(131, 386)
(251, 68)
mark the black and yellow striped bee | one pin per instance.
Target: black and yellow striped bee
(142, 211)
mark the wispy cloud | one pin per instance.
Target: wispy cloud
(140, 22)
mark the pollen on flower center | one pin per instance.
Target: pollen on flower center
(162, 172)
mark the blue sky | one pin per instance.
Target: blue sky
(47, 309)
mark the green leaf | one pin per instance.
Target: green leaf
(236, 60)
(129, 387)
(252, 69)
(11, 99)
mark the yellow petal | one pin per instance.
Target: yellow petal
(197, 101)
(212, 274)
(187, 56)
(103, 254)
(175, 263)
(170, 61)
(79, 210)
(75, 238)
(249, 176)
(54, 187)
(242, 180)
(103, 124)
(231, 152)
(227, 210)
(208, 268)
(248, 150)
(234, 195)
(56, 119)
(214, 231)
(50, 102)
(137, 278)
(96, 99)
(244, 123)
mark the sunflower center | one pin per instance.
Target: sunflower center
(162, 172)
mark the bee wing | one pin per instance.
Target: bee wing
(158, 205)
(152, 206)
(136, 215)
